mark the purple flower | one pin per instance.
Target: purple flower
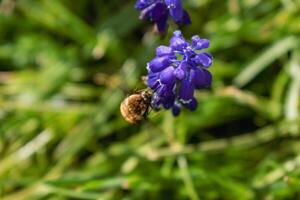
(177, 71)
(158, 11)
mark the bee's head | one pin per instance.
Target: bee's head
(147, 95)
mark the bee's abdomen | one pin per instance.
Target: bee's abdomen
(133, 109)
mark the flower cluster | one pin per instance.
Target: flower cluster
(177, 70)
(159, 10)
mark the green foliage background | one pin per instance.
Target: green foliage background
(66, 66)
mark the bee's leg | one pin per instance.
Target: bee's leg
(147, 112)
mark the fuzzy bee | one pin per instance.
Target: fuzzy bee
(135, 107)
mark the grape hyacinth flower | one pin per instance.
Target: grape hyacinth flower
(158, 11)
(177, 70)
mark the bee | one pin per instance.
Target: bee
(135, 107)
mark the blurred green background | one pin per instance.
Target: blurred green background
(66, 66)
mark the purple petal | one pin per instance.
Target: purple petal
(208, 55)
(185, 18)
(177, 33)
(200, 77)
(175, 8)
(168, 101)
(183, 65)
(192, 105)
(176, 109)
(145, 13)
(162, 96)
(164, 51)
(177, 42)
(159, 63)
(162, 23)
(203, 59)
(156, 101)
(141, 4)
(165, 90)
(153, 80)
(199, 43)
(186, 91)
(158, 11)
(179, 73)
(167, 76)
